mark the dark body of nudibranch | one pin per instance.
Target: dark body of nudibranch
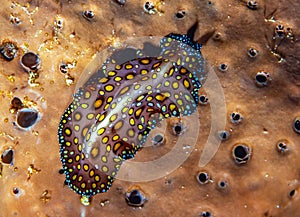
(112, 115)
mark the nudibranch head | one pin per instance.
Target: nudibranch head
(113, 112)
(185, 51)
(188, 38)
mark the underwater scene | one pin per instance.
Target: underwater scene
(149, 108)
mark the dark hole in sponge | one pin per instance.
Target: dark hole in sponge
(180, 14)
(7, 156)
(261, 78)
(240, 152)
(27, 117)
(30, 60)
(135, 198)
(292, 193)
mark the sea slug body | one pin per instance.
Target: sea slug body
(111, 116)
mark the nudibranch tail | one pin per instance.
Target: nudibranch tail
(113, 113)
(81, 176)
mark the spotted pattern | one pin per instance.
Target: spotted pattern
(110, 117)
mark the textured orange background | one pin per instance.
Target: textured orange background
(260, 188)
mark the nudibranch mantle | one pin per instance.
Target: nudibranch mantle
(111, 116)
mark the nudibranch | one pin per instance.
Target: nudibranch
(111, 116)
